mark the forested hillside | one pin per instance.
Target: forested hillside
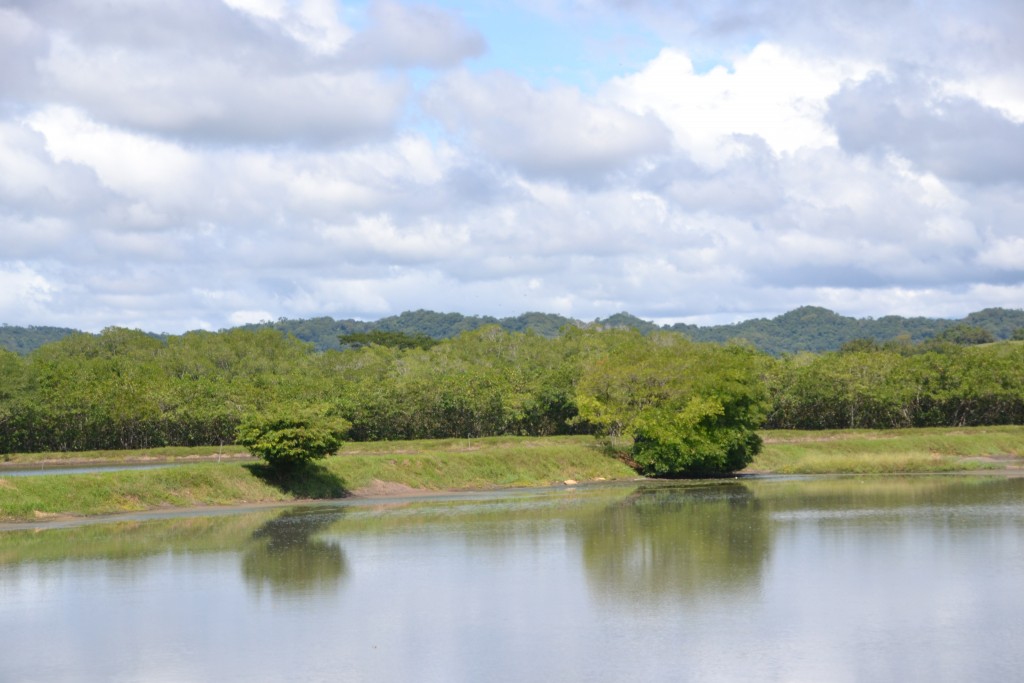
(323, 332)
(808, 328)
(811, 328)
(25, 339)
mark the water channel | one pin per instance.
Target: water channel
(799, 579)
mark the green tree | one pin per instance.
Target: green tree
(965, 335)
(397, 340)
(692, 409)
(289, 435)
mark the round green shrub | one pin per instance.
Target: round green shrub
(288, 437)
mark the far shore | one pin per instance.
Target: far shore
(217, 478)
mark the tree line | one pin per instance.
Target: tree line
(673, 397)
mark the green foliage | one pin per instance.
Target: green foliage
(699, 440)
(394, 340)
(124, 389)
(287, 436)
(860, 345)
(811, 328)
(927, 385)
(690, 408)
(625, 321)
(24, 340)
(1000, 322)
(485, 382)
(965, 335)
(544, 324)
(127, 389)
(808, 328)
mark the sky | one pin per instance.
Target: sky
(200, 164)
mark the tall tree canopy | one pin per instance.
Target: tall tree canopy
(692, 409)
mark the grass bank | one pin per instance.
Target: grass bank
(377, 468)
(459, 464)
(880, 451)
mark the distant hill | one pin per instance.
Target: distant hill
(26, 339)
(811, 328)
(808, 328)
(323, 332)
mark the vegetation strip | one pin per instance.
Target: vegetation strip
(453, 464)
(866, 451)
(431, 466)
(124, 389)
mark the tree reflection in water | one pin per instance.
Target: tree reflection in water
(286, 557)
(684, 542)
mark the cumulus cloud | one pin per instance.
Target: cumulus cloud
(200, 164)
(552, 132)
(951, 136)
(399, 35)
(314, 23)
(23, 289)
(30, 180)
(243, 72)
(1006, 254)
(975, 35)
(747, 183)
(767, 93)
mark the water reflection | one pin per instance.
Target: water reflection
(130, 541)
(689, 542)
(288, 559)
(895, 578)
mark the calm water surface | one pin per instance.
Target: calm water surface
(844, 579)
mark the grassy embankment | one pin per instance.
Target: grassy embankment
(875, 451)
(394, 467)
(386, 467)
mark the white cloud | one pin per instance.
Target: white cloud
(34, 236)
(1005, 254)
(377, 238)
(951, 137)
(202, 164)
(402, 35)
(128, 163)
(553, 132)
(1001, 91)
(32, 179)
(24, 292)
(246, 72)
(767, 93)
(316, 23)
(24, 170)
(222, 98)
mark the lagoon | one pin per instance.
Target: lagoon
(763, 579)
